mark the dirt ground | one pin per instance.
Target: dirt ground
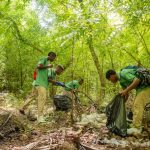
(90, 133)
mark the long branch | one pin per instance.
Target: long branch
(19, 36)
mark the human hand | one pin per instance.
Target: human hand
(50, 66)
(124, 93)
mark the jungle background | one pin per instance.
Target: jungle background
(88, 36)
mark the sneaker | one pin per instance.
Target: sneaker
(22, 111)
(32, 118)
(41, 119)
(134, 131)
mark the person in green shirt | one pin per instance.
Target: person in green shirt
(52, 73)
(129, 81)
(40, 85)
(71, 87)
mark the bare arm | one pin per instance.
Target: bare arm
(57, 83)
(132, 86)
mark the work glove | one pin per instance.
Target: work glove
(60, 84)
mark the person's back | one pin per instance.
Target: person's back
(127, 76)
(129, 80)
(72, 85)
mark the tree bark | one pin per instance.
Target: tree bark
(97, 65)
(94, 56)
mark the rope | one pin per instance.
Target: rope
(7, 119)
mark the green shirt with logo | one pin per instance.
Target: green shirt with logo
(72, 85)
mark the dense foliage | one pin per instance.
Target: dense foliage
(89, 37)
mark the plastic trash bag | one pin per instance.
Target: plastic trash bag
(62, 102)
(116, 116)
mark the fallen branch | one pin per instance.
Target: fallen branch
(10, 115)
(87, 96)
(52, 140)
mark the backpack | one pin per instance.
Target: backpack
(35, 73)
(144, 75)
(131, 67)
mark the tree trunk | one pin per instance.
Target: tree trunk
(94, 56)
(97, 65)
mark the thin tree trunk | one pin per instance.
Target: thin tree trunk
(97, 65)
(94, 56)
(21, 71)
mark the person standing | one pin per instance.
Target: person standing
(40, 84)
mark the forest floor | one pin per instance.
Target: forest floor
(58, 133)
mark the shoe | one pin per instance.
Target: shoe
(32, 118)
(134, 131)
(22, 111)
(41, 119)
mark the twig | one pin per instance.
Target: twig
(87, 96)
(10, 115)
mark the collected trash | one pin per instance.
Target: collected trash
(94, 118)
(116, 116)
(125, 143)
(62, 102)
(94, 140)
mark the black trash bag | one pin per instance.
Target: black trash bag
(116, 116)
(62, 102)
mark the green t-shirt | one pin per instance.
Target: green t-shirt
(72, 85)
(42, 74)
(126, 77)
(52, 73)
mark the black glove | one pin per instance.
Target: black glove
(60, 84)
